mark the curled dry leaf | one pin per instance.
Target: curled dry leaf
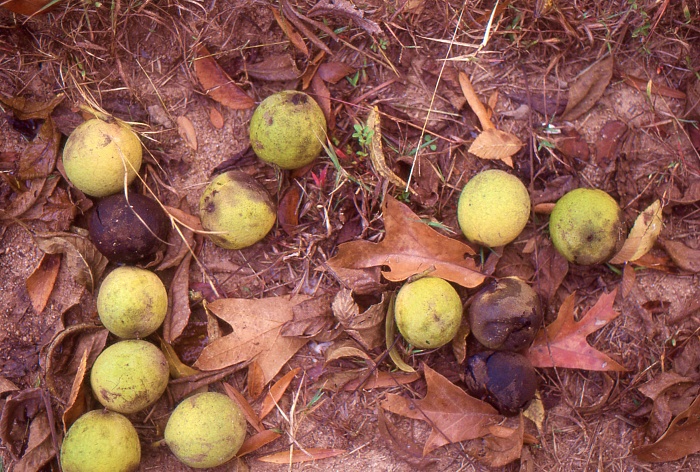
(391, 337)
(64, 354)
(642, 237)
(313, 319)
(452, 414)
(17, 413)
(346, 348)
(411, 247)
(40, 446)
(40, 283)
(77, 402)
(178, 314)
(217, 84)
(178, 369)
(376, 152)
(365, 327)
(684, 257)
(681, 439)
(563, 343)
(82, 258)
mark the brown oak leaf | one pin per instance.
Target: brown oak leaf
(257, 326)
(450, 411)
(563, 343)
(410, 247)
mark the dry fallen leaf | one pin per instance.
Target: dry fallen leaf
(494, 144)
(642, 236)
(40, 283)
(296, 456)
(178, 314)
(453, 415)
(376, 152)
(491, 143)
(563, 343)
(365, 327)
(40, 446)
(500, 447)
(256, 441)
(256, 335)
(291, 33)
(77, 402)
(411, 247)
(82, 258)
(217, 84)
(684, 257)
(274, 395)
(681, 439)
(185, 129)
(401, 444)
(588, 87)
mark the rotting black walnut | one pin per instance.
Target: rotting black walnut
(507, 380)
(118, 231)
(505, 315)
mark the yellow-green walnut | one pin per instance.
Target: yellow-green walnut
(99, 158)
(586, 226)
(205, 430)
(288, 129)
(493, 208)
(101, 441)
(237, 210)
(132, 302)
(428, 312)
(129, 376)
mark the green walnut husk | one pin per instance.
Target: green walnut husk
(132, 302)
(205, 430)
(99, 155)
(428, 312)
(288, 129)
(586, 226)
(493, 208)
(237, 210)
(129, 376)
(101, 441)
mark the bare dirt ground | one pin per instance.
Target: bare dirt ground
(134, 60)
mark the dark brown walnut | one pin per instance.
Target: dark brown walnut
(505, 315)
(507, 380)
(130, 231)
